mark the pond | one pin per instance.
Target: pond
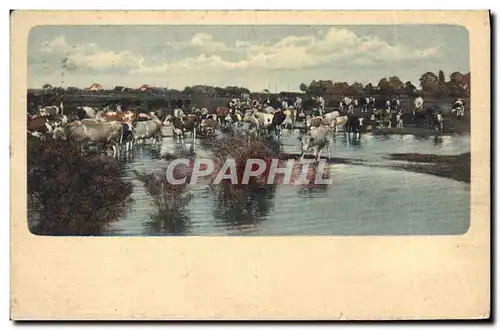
(361, 200)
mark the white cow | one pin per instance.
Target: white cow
(329, 118)
(418, 104)
(178, 113)
(347, 102)
(458, 108)
(399, 120)
(316, 139)
(339, 122)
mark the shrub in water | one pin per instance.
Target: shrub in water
(73, 193)
(170, 200)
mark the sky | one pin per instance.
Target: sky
(256, 57)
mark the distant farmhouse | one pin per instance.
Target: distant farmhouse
(145, 87)
(95, 87)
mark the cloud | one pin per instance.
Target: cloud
(201, 42)
(203, 58)
(332, 47)
(89, 55)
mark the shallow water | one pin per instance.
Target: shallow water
(360, 201)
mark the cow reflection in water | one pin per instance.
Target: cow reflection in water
(438, 140)
(246, 205)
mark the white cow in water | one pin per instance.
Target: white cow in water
(320, 102)
(329, 118)
(349, 103)
(399, 120)
(316, 139)
(50, 110)
(89, 111)
(298, 103)
(178, 113)
(458, 108)
(270, 110)
(418, 104)
(438, 125)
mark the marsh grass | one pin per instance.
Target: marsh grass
(170, 201)
(73, 193)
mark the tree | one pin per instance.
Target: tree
(357, 86)
(466, 84)
(72, 90)
(459, 84)
(395, 84)
(369, 87)
(441, 79)
(338, 88)
(429, 83)
(384, 86)
(47, 87)
(442, 86)
(455, 83)
(303, 87)
(320, 87)
(409, 88)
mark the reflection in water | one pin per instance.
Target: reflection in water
(361, 200)
(170, 202)
(438, 140)
(68, 220)
(244, 205)
(314, 185)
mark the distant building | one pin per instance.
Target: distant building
(95, 87)
(120, 89)
(145, 87)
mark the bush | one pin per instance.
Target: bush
(73, 193)
(242, 147)
(171, 201)
(243, 203)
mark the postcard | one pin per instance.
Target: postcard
(274, 165)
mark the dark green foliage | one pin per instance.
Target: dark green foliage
(73, 193)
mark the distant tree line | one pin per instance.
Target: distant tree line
(205, 90)
(430, 84)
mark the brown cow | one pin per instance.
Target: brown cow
(221, 113)
(181, 125)
(38, 124)
(125, 116)
(314, 122)
(208, 126)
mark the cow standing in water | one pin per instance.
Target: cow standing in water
(367, 103)
(354, 125)
(316, 139)
(348, 103)
(458, 108)
(395, 104)
(182, 125)
(418, 105)
(321, 105)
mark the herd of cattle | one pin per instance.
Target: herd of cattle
(125, 128)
